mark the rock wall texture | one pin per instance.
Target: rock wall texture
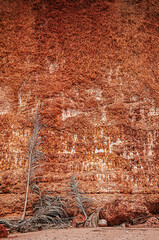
(92, 66)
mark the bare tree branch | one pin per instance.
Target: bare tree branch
(80, 199)
(34, 157)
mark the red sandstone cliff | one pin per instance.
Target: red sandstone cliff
(93, 67)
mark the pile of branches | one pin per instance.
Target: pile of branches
(49, 212)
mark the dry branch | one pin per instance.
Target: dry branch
(33, 158)
(49, 212)
(81, 201)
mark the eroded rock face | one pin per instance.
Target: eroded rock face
(118, 212)
(92, 66)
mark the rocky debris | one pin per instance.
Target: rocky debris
(152, 222)
(102, 223)
(78, 220)
(118, 211)
(3, 232)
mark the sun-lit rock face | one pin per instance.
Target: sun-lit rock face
(92, 66)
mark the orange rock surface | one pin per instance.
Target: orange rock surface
(118, 212)
(92, 66)
(3, 232)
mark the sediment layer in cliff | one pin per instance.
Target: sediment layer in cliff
(92, 66)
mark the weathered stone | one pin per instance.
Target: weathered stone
(118, 212)
(102, 223)
(3, 232)
(92, 66)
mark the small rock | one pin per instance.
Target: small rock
(3, 232)
(123, 225)
(102, 223)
